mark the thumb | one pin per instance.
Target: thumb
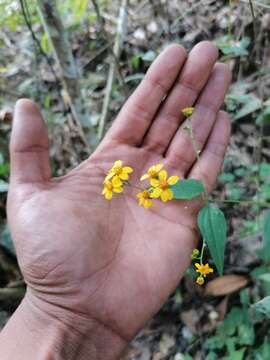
(29, 144)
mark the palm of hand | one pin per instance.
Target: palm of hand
(97, 257)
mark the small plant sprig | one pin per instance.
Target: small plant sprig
(164, 187)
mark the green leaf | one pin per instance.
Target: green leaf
(3, 186)
(236, 355)
(226, 177)
(263, 351)
(252, 105)
(232, 47)
(214, 342)
(4, 169)
(264, 116)
(263, 306)
(264, 171)
(149, 56)
(187, 189)
(232, 320)
(266, 234)
(264, 253)
(213, 228)
(246, 334)
(80, 7)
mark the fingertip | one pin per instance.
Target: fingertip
(177, 50)
(208, 47)
(26, 105)
(28, 125)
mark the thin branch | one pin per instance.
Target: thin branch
(106, 36)
(120, 32)
(36, 41)
(68, 71)
(257, 3)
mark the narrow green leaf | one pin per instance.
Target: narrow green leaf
(266, 235)
(263, 306)
(187, 189)
(213, 228)
(264, 252)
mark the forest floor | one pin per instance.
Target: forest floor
(192, 314)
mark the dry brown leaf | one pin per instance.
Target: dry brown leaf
(225, 285)
(190, 318)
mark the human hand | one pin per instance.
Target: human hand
(87, 259)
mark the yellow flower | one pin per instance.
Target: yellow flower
(203, 269)
(152, 172)
(200, 280)
(144, 199)
(115, 185)
(161, 186)
(188, 111)
(119, 171)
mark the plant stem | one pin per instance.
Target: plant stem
(230, 20)
(202, 252)
(197, 152)
(128, 183)
(243, 202)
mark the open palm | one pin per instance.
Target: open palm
(114, 261)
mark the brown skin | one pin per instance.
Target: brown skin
(114, 262)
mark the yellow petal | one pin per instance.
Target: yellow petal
(144, 177)
(109, 176)
(164, 196)
(108, 195)
(163, 175)
(127, 169)
(158, 167)
(118, 189)
(141, 201)
(118, 163)
(188, 111)
(154, 182)
(123, 176)
(116, 181)
(156, 193)
(147, 203)
(139, 195)
(197, 265)
(173, 180)
(169, 194)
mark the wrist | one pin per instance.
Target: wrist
(46, 331)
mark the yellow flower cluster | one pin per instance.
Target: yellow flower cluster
(113, 182)
(159, 183)
(187, 112)
(203, 270)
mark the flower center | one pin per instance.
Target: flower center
(146, 194)
(109, 186)
(163, 185)
(152, 173)
(117, 170)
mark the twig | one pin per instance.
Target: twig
(68, 71)
(36, 40)
(257, 3)
(116, 50)
(105, 34)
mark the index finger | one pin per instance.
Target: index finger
(137, 114)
